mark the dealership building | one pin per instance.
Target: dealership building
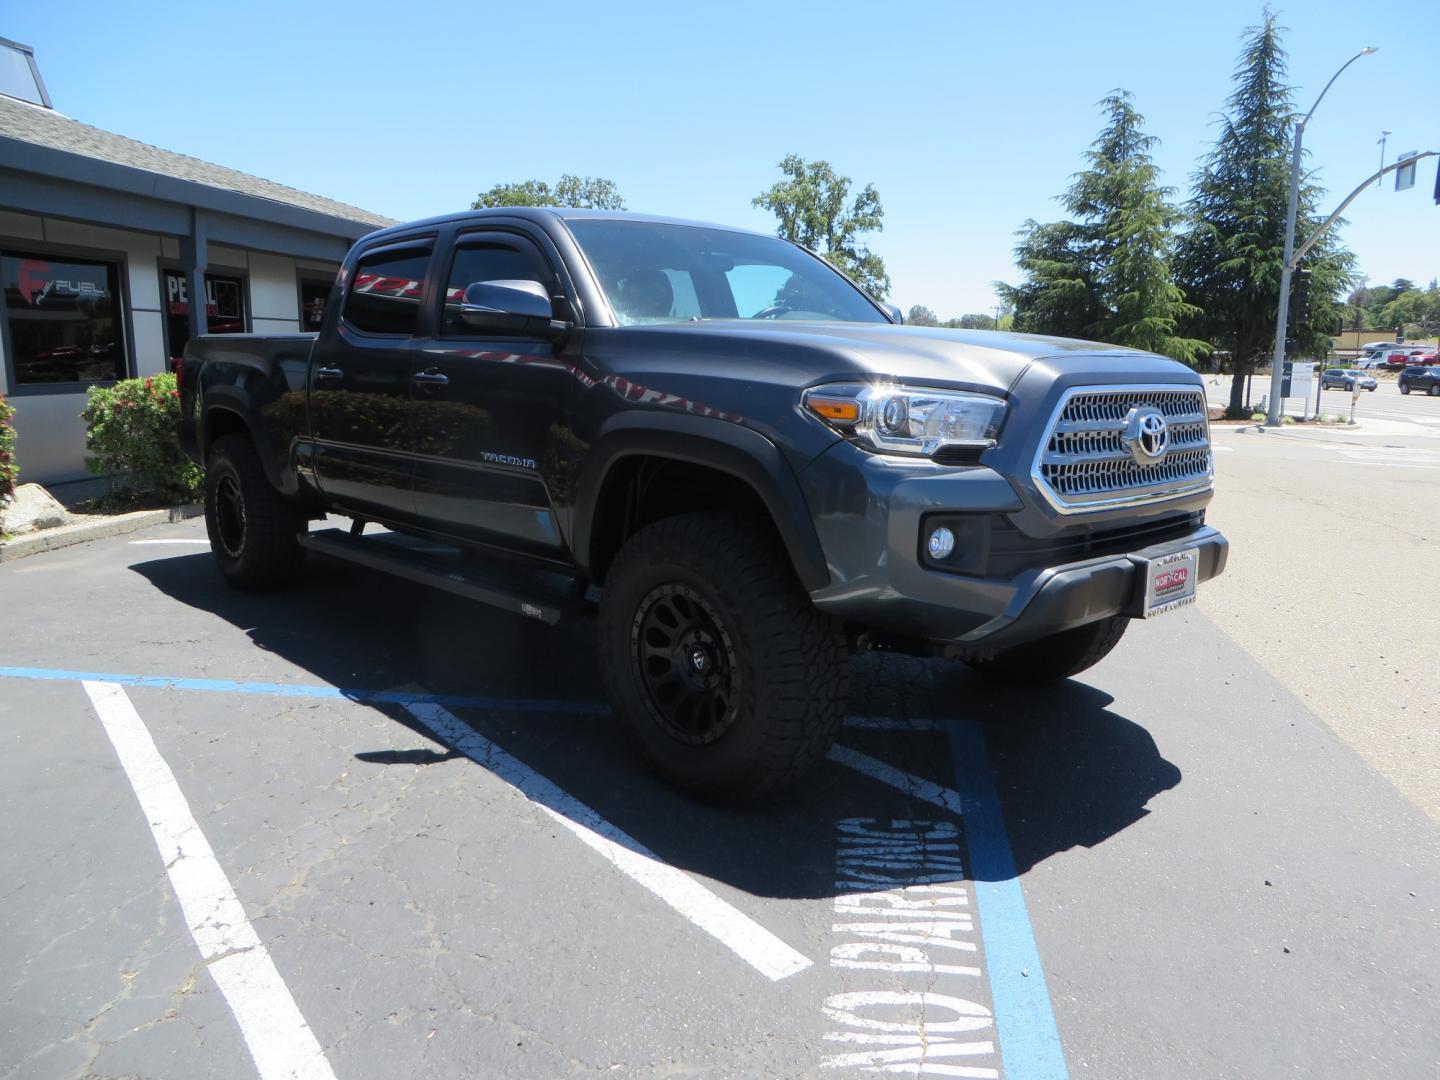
(103, 242)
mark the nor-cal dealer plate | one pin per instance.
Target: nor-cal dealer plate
(1170, 581)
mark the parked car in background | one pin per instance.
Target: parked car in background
(1402, 356)
(1420, 380)
(1341, 379)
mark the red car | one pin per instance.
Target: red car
(1403, 356)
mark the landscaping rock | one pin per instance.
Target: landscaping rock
(33, 508)
(1215, 412)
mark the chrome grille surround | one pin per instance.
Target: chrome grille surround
(1082, 465)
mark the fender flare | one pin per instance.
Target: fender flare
(717, 444)
(225, 398)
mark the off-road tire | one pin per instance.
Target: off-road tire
(1059, 656)
(790, 663)
(253, 529)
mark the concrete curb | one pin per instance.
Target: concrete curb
(84, 531)
(1252, 426)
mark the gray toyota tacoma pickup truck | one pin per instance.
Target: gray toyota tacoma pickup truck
(716, 444)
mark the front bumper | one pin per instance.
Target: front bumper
(870, 513)
(1063, 597)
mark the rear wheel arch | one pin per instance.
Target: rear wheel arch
(226, 412)
(220, 421)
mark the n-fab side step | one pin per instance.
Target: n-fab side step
(534, 594)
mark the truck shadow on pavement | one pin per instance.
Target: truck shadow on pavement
(1068, 770)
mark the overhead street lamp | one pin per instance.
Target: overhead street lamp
(1277, 371)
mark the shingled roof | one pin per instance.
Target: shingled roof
(45, 127)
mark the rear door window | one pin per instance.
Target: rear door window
(385, 291)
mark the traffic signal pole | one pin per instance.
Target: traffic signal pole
(1278, 364)
(1292, 259)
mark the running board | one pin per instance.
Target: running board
(535, 594)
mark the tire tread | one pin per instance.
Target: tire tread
(806, 660)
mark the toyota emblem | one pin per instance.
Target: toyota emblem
(1147, 435)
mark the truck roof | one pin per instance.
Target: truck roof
(554, 213)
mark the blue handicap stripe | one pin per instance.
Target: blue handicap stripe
(1029, 1042)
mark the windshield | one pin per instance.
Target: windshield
(657, 273)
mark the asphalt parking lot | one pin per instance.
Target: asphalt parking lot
(360, 829)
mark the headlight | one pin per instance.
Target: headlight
(907, 419)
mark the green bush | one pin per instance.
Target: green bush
(133, 430)
(9, 470)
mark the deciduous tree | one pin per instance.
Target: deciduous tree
(590, 193)
(814, 208)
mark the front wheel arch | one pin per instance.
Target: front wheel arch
(752, 465)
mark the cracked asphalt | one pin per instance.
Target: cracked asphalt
(1218, 885)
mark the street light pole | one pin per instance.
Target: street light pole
(1277, 370)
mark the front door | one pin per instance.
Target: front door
(361, 412)
(489, 409)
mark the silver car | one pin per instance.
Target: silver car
(1343, 379)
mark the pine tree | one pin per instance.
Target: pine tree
(1107, 275)
(1229, 261)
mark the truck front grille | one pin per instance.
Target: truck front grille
(1084, 464)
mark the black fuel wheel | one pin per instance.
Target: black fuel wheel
(1057, 656)
(725, 677)
(684, 656)
(253, 529)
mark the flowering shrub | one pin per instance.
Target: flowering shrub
(133, 429)
(9, 471)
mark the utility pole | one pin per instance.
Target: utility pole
(1383, 136)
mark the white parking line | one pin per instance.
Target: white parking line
(280, 1041)
(943, 797)
(757, 946)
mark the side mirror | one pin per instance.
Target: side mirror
(894, 312)
(511, 307)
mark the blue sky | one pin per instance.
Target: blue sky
(967, 118)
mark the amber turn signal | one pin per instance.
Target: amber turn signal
(842, 410)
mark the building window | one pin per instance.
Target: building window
(19, 77)
(64, 319)
(314, 295)
(224, 308)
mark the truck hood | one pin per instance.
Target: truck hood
(812, 352)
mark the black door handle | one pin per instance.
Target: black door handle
(329, 373)
(432, 378)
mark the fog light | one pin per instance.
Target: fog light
(941, 543)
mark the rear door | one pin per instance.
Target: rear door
(490, 408)
(362, 418)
